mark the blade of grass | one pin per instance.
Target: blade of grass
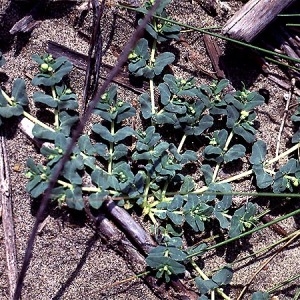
(258, 228)
(220, 36)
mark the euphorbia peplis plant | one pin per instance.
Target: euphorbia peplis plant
(143, 167)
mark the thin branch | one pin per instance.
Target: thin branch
(7, 219)
(95, 54)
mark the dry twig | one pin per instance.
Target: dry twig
(7, 219)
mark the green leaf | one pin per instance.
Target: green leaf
(196, 213)
(188, 156)
(263, 179)
(39, 189)
(141, 48)
(70, 171)
(177, 254)
(74, 198)
(172, 83)
(19, 92)
(67, 120)
(10, 111)
(223, 276)
(103, 132)
(85, 145)
(163, 60)
(165, 93)
(232, 116)
(281, 183)
(213, 153)
(259, 151)
(39, 97)
(96, 199)
(187, 186)
(145, 106)
(205, 285)
(198, 250)
(260, 296)
(120, 151)
(242, 219)
(222, 84)
(164, 117)
(176, 203)
(235, 152)
(102, 150)
(122, 133)
(61, 67)
(254, 99)
(204, 123)
(42, 133)
(207, 173)
(176, 218)
(247, 135)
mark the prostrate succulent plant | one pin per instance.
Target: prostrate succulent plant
(141, 166)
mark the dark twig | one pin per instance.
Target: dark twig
(124, 247)
(94, 55)
(79, 60)
(78, 131)
(30, 21)
(7, 219)
(143, 241)
(214, 53)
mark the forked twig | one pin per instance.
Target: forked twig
(7, 219)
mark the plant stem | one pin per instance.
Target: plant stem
(152, 59)
(286, 153)
(203, 275)
(26, 114)
(249, 172)
(164, 190)
(181, 143)
(225, 149)
(111, 149)
(65, 184)
(36, 121)
(56, 111)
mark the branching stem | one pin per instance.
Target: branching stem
(203, 275)
(26, 114)
(225, 149)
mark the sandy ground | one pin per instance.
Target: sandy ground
(69, 260)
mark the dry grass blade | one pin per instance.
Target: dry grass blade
(293, 237)
(288, 101)
(7, 219)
